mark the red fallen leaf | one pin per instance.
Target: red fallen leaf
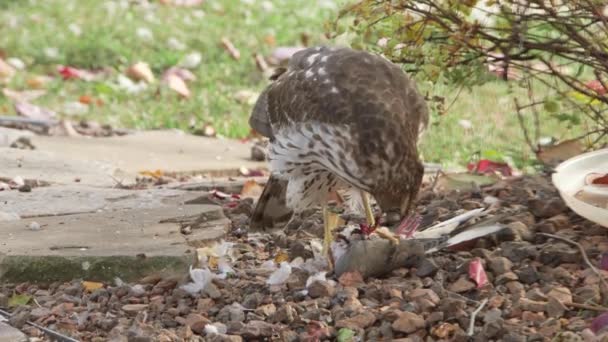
(69, 72)
(477, 273)
(603, 180)
(599, 323)
(488, 166)
(596, 86)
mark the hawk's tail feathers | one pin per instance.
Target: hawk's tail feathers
(271, 208)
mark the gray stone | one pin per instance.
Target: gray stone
(10, 334)
(129, 237)
(15, 138)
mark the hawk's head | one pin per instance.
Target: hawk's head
(397, 197)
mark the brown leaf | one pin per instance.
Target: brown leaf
(140, 71)
(251, 189)
(554, 155)
(91, 286)
(233, 51)
(6, 70)
(178, 85)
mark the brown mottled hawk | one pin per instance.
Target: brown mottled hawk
(338, 118)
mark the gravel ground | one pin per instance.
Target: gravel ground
(539, 288)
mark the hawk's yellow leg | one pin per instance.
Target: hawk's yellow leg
(368, 209)
(369, 214)
(331, 220)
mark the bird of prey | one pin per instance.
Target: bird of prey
(339, 119)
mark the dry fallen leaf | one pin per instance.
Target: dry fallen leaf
(251, 189)
(141, 71)
(554, 155)
(154, 174)
(91, 286)
(6, 70)
(178, 85)
(477, 273)
(233, 51)
(350, 278)
(31, 111)
(281, 256)
(38, 81)
(23, 96)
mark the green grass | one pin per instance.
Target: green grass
(109, 39)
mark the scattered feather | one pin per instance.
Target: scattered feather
(280, 276)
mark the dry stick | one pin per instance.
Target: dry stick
(586, 307)
(474, 315)
(52, 333)
(582, 250)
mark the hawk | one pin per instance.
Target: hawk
(339, 119)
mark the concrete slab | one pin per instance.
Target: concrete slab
(57, 168)
(78, 199)
(168, 150)
(10, 334)
(113, 233)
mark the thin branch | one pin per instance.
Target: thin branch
(474, 316)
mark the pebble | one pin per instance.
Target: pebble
(408, 322)
(360, 321)
(321, 288)
(528, 274)
(427, 267)
(197, 322)
(134, 307)
(499, 265)
(461, 285)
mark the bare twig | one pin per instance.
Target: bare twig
(52, 333)
(586, 307)
(474, 316)
(583, 253)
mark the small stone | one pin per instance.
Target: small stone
(514, 337)
(252, 329)
(531, 305)
(461, 285)
(408, 323)
(444, 330)
(285, 314)
(350, 279)
(11, 334)
(321, 288)
(41, 312)
(492, 315)
(197, 322)
(493, 329)
(3, 300)
(518, 251)
(555, 308)
(214, 337)
(212, 291)
(426, 294)
(258, 153)
(499, 265)
(528, 274)
(231, 313)
(536, 294)
(505, 278)
(561, 293)
(547, 208)
(515, 231)
(134, 307)
(426, 268)
(515, 288)
(533, 317)
(360, 321)
(266, 310)
(584, 294)
(19, 318)
(553, 254)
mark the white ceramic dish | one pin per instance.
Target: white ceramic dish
(569, 178)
